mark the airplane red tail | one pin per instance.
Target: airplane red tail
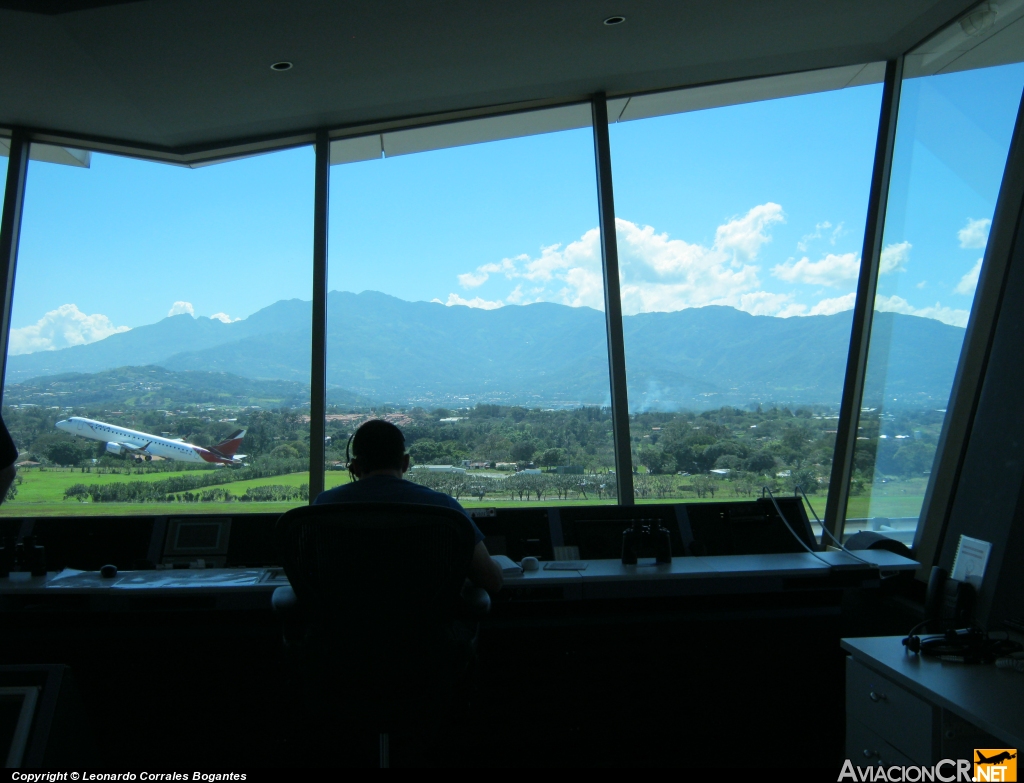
(227, 448)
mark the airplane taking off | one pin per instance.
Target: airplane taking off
(142, 446)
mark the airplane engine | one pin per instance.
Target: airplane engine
(115, 448)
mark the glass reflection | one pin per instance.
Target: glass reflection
(739, 234)
(953, 135)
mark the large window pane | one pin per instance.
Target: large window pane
(158, 311)
(952, 139)
(466, 305)
(739, 234)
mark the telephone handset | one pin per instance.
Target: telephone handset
(949, 603)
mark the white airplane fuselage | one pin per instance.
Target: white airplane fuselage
(121, 440)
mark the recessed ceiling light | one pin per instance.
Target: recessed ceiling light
(613, 20)
(284, 65)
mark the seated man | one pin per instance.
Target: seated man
(378, 463)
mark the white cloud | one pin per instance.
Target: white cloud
(584, 288)
(791, 310)
(658, 273)
(663, 274)
(837, 232)
(897, 304)
(832, 270)
(470, 280)
(975, 233)
(584, 253)
(506, 267)
(838, 269)
(745, 235)
(764, 303)
(61, 328)
(224, 317)
(483, 304)
(665, 257)
(832, 306)
(806, 240)
(894, 258)
(969, 281)
(922, 284)
(181, 308)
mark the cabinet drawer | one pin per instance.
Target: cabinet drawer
(903, 720)
(866, 749)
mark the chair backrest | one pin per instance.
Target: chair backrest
(376, 562)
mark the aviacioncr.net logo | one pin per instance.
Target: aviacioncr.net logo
(945, 771)
(995, 764)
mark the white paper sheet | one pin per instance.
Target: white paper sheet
(970, 561)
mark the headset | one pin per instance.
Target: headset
(963, 645)
(949, 605)
(353, 459)
(348, 458)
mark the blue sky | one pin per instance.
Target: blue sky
(759, 206)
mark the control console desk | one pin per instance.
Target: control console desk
(250, 588)
(738, 548)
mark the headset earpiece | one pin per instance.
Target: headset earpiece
(348, 457)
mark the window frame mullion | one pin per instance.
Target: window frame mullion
(863, 309)
(612, 303)
(10, 235)
(318, 360)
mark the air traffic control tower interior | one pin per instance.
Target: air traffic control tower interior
(735, 278)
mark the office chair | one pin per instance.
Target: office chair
(379, 625)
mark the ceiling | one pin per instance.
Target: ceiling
(188, 75)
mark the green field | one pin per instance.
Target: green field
(41, 493)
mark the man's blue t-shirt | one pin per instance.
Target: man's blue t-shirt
(388, 489)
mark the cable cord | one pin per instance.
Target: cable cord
(792, 532)
(826, 532)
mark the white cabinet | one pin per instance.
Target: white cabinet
(881, 712)
(905, 709)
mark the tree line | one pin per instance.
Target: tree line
(156, 492)
(746, 446)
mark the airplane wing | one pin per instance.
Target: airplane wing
(130, 448)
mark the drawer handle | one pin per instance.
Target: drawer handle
(877, 697)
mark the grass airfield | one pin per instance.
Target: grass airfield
(41, 493)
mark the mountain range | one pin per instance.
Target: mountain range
(386, 349)
(151, 387)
